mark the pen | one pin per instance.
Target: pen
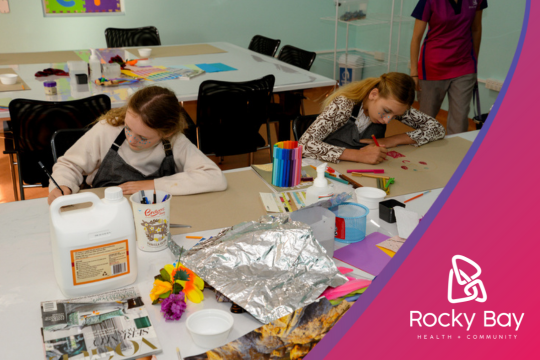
(146, 201)
(375, 139)
(333, 177)
(165, 198)
(375, 171)
(50, 176)
(142, 197)
(155, 201)
(417, 196)
(354, 184)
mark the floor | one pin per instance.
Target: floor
(311, 105)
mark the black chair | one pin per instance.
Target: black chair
(301, 124)
(143, 36)
(230, 114)
(32, 126)
(290, 104)
(63, 139)
(264, 45)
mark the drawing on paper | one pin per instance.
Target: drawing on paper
(81, 7)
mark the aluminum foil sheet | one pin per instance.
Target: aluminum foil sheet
(270, 268)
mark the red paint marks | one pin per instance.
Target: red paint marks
(406, 161)
(423, 163)
(394, 154)
(405, 168)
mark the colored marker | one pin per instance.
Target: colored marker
(142, 197)
(333, 177)
(354, 184)
(165, 198)
(155, 201)
(390, 181)
(375, 139)
(371, 176)
(284, 198)
(417, 196)
(375, 171)
(146, 201)
(194, 237)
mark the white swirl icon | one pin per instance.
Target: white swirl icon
(471, 283)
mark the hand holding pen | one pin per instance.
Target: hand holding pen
(59, 191)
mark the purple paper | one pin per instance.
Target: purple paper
(365, 255)
(104, 6)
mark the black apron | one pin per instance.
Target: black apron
(349, 137)
(114, 171)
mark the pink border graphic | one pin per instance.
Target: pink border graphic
(481, 217)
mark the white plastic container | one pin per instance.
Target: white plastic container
(95, 66)
(370, 197)
(8, 79)
(77, 67)
(210, 328)
(323, 223)
(145, 52)
(350, 68)
(320, 188)
(94, 249)
(152, 221)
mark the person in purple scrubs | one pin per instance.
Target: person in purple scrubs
(446, 63)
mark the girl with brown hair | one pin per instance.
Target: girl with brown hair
(138, 147)
(361, 109)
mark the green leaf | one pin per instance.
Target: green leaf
(177, 288)
(181, 275)
(165, 275)
(155, 302)
(165, 295)
(158, 277)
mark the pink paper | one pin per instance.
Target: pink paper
(365, 255)
(347, 288)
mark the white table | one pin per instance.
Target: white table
(250, 65)
(28, 277)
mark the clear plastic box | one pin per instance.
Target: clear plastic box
(77, 67)
(352, 10)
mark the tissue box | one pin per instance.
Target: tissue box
(386, 210)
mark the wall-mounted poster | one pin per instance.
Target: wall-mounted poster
(82, 7)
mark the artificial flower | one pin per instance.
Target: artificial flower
(160, 288)
(173, 307)
(191, 283)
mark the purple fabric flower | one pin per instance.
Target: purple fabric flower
(173, 307)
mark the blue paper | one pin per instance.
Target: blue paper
(208, 68)
(222, 67)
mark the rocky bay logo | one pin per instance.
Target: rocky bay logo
(471, 283)
(474, 290)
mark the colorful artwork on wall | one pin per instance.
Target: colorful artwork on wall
(81, 7)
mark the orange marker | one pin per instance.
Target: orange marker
(194, 237)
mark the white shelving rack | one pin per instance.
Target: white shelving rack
(370, 58)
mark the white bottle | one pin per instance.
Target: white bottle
(320, 188)
(94, 249)
(95, 66)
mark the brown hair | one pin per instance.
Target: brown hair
(398, 85)
(158, 108)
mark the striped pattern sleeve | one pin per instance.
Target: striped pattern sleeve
(427, 129)
(334, 116)
(422, 11)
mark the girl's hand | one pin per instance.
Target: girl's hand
(417, 84)
(56, 193)
(131, 187)
(371, 154)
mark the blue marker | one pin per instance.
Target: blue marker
(146, 200)
(164, 198)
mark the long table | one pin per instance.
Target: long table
(28, 277)
(250, 65)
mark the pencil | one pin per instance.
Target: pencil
(375, 139)
(371, 176)
(178, 354)
(194, 237)
(351, 181)
(417, 196)
(50, 176)
(333, 177)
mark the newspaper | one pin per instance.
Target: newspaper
(112, 325)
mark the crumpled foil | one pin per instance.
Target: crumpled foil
(270, 268)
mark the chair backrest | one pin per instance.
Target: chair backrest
(229, 115)
(297, 57)
(301, 124)
(63, 139)
(264, 45)
(34, 122)
(143, 36)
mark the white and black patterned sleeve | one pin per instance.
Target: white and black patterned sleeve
(334, 116)
(427, 129)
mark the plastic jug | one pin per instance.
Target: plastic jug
(94, 249)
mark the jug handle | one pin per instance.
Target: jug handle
(73, 200)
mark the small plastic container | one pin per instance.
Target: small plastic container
(144, 53)
(386, 210)
(50, 87)
(352, 10)
(8, 79)
(210, 328)
(77, 67)
(111, 71)
(322, 221)
(350, 222)
(370, 197)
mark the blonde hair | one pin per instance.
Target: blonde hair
(158, 108)
(397, 85)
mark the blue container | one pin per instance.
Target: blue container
(350, 222)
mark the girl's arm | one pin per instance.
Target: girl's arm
(197, 173)
(427, 128)
(334, 116)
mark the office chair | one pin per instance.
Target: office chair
(264, 45)
(143, 36)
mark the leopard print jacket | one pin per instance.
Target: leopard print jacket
(338, 112)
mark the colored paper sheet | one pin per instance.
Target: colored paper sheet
(208, 68)
(365, 255)
(4, 102)
(222, 67)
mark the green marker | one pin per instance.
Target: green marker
(327, 175)
(391, 181)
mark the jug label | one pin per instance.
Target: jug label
(99, 263)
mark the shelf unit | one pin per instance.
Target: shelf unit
(370, 19)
